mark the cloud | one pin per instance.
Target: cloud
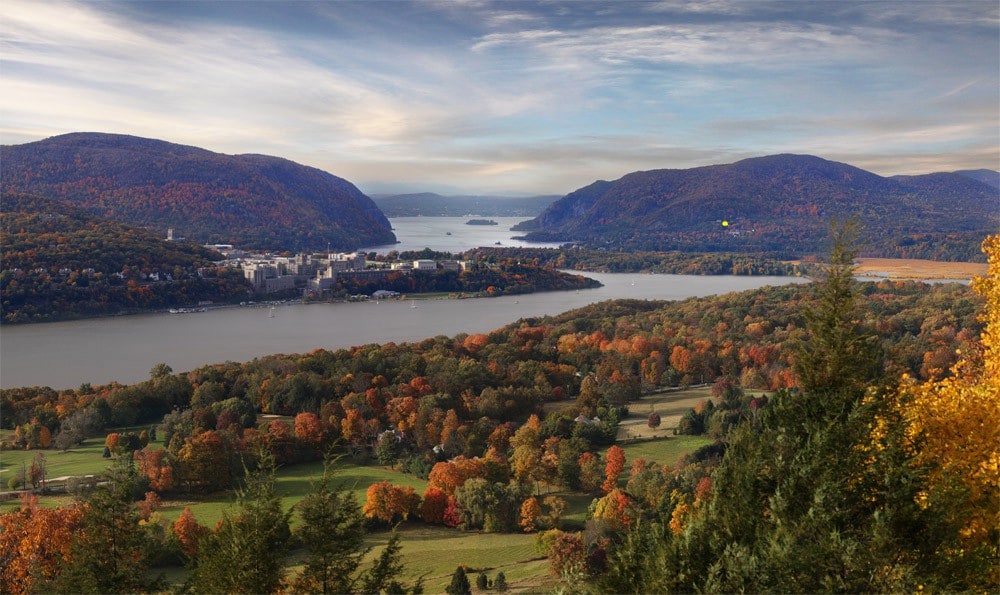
(500, 96)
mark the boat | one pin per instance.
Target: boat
(271, 313)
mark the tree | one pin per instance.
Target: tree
(38, 471)
(245, 553)
(435, 502)
(459, 584)
(951, 432)
(615, 458)
(35, 543)
(530, 512)
(189, 533)
(839, 354)
(500, 582)
(107, 555)
(557, 507)
(653, 421)
(332, 530)
(590, 472)
(75, 428)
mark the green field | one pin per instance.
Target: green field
(431, 552)
(665, 451)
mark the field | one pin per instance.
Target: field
(909, 268)
(431, 552)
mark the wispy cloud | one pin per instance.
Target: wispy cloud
(500, 96)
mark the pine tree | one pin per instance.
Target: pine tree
(332, 530)
(459, 583)
(500, 583)
(245, 554)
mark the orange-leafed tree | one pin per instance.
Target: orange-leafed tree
(530, 513)
(189, 532)
(387, 502)
(34, 544)
(158, 467)
(309, 429)
(615, 463)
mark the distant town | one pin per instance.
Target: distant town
(316, 273)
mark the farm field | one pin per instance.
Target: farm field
(916, 269)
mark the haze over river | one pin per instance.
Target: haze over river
(124, 348)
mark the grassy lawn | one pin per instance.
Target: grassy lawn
(435, 552)
(665, 451)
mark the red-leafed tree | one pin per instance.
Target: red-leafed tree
(434, 505)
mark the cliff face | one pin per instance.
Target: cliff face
(253, 201)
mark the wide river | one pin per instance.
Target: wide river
(124, 348)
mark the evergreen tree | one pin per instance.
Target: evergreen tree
(107, 554)
(500, 582)
(459, 584)
(245, 554)
(332, 530)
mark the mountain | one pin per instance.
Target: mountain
(252, 201)
(986, 176)
(780, 204)
(57, 261)
(428, 204)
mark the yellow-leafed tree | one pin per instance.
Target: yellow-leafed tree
(953, 426)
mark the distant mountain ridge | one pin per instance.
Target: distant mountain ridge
(429, 204)
(780, 204)
(253, 201)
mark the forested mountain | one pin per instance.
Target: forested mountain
(428, 204)
(251, 201)
(781, 204)
(58, 261)
(986, 176)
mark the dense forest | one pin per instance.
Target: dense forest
(870, 467)
(60, 262)
(779, 205)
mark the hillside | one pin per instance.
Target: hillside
(428, 204)
(59, 262)
(781, 205)
(252, 201)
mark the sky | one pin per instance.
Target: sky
(507, 97)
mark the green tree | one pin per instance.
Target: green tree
(245, 554)
(332, 530)
(459, 584)
(500, 582)
(107, 554)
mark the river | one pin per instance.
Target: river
(124, 348)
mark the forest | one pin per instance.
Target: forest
(866, 462)
(59, 262)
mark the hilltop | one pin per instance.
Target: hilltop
(252, 201)
(781, 204)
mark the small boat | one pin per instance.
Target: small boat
(413, 306)
(271, 313)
